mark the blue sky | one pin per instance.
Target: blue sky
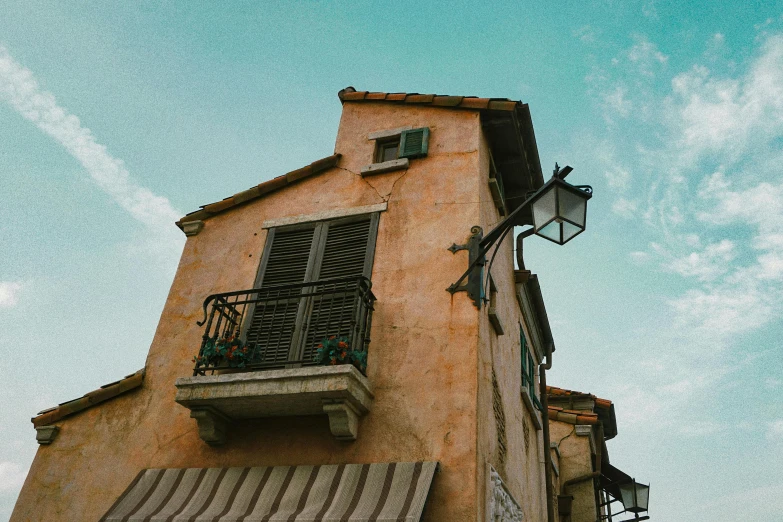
(117, 118)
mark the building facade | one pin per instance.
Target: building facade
(353, 252)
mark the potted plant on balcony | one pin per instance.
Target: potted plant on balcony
(334, 350)
(221, 352)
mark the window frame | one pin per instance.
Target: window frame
(381, 145)
(528, 386)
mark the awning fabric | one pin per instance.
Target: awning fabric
(381, 492)
(611, 477)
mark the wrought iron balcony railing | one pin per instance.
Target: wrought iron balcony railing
(283, 326)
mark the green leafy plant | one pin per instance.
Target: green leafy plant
(229, 351)
(333, 350)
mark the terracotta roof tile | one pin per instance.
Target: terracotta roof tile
(273, 184)
(419, 98)
(102, 394)
(501, 105)
(447, 101)
(349, 94)
(220, 206)
(474, 103)
(266, 187)
(553, 391)
(571, 416)
(394, 96)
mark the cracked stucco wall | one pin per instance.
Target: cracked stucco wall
(423, 355)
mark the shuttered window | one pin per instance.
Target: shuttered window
(528, 369)
(290, 327)
(414, 143)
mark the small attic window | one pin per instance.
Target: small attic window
(394, 148)
(387, 150)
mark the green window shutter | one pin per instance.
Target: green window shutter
(288, 259)
(346, 250)
(414, 143)
(531, 375)
(523, 355)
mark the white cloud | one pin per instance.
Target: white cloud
(646, 55)
(12, 477)
(775, 430)
(729, 116)
(624, 207)
(9, 293)
(21, 90)
(617, 101)
(716, 315)
(649, 10)
(772, 384)
(713, 261)
(585, 33)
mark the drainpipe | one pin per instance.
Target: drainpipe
(550, 508)
(577, 480)
(565, 508)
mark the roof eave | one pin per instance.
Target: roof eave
(253, 193)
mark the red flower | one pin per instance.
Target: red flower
(343, 355)
(342, 344)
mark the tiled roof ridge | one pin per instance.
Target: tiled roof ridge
(102, 394)
(554, 391)
(262, 189)
(350, 94)
(572, 416)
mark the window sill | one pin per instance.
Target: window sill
(495, 321)
(531, 408)
(386, 166)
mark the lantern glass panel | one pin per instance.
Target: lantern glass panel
(551, 231)
(572, 206)
(642, 496)
(544, 210)
(634, 496)
(628, 497)
(569, 231)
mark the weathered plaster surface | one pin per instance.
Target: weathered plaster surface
(575, 461)
(423, 355)
(522, 467)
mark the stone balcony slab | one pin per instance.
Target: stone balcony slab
(341, 392)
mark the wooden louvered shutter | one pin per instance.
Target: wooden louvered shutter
(347, 248)
(288, 259)
(414, 143)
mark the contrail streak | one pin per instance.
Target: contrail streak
(20, 89)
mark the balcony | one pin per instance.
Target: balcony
(298, 349)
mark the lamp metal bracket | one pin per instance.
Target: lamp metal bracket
(474, 285)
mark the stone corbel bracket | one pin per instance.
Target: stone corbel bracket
(46, 434)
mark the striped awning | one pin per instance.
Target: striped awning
(347, 492)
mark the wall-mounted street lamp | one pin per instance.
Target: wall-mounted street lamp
(560, 209)
(634, 496)
(559, 213)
